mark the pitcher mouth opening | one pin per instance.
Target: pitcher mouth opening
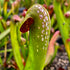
(26, 25)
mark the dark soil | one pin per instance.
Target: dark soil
(60, 62)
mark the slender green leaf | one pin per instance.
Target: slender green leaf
(6, 32)
(15, 46)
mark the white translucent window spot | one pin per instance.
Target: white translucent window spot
(43, 26)
(47, 28)
(42, 39)
(39, 7)
(42, 10)
(46, 18)
(37, 11)
(42, 31)
(46, 33)
(41, 35)
(45, 37)
(45, 13)
(43, 23)
(41, 16)
(38, 27)
(36, 6)
(37, 50)
(46, 24)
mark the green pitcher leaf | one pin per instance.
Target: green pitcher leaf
(37, 20)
